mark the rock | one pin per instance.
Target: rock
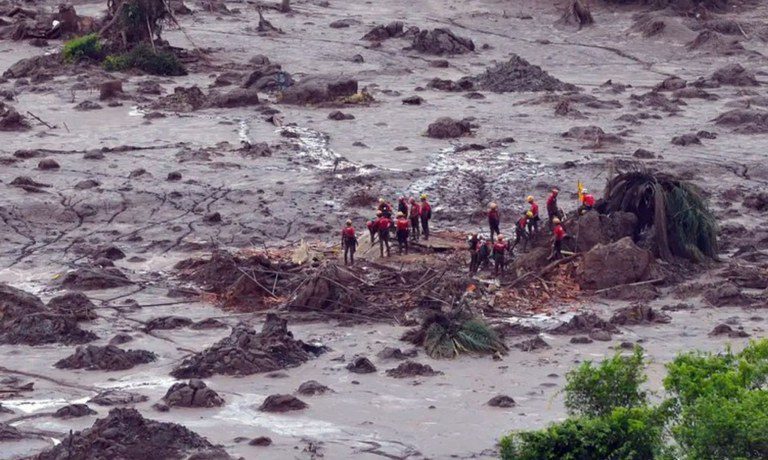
(239, 97)
(74, 411)
(503, 401)
(173, 176)
(117, 398)
(396, 353)
(182, 100)
(48, 164)
(110, 89)
(582, 323)
(74, 304)
(268, 77)
(42, 328)
(343, 23)
(338, 115)
(195, 393)
(614, 264)
(312, 388)
(247, 352)
(736, 75)
(686, 139)
(125, 434)
(11, 120)
(107, 358)
(120, 339)
(756, 201)
(593, 134)
(110, 252)
(26, 67)
(357, 59)
(87, 184)
(15, 303)
(726, 294)
(594, 228)
(441, 41)
(448, 128)
(600, 336)
(413, 100)
(361, 365)
(9, 433)
(532, 344)
(746, 276)
(644, 154)
(212, 218)
(208, 323)
(518, 75)
(745, 121)
(167, 322)
(410, 369)
(261, 441)
(87, 105)
(724, 329)
(639, 314)
(85, 279)
(671, 84)
(282, 403)
(580, 340)
(320, 89)
(29, 185)
(384, 32)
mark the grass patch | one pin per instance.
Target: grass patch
(85, 47)
(144, 58)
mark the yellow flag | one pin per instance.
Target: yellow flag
(580, 190)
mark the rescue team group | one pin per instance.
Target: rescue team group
(412, 222)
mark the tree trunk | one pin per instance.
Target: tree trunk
(285, 6)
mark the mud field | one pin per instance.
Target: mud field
(155, 239)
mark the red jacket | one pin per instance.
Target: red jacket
(415, 210)
(589, 200)
(534, 208)
(493, 215)
(373, 224)
(522, 222)
(383, 224)
(559, 232)
(402, 224)
(499, 248)
(348, 232)
(426, 210)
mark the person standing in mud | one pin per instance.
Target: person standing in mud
(414, 213)
(499, 250)
(426, 215)
(587, 202)
(349, 243)
(552, 209)
(373, 227)
(494, 220)
(521, 232)
(383, 226)
(385, 208)
(557, 240)
(402, 205)
(533, 222)
(401, 226)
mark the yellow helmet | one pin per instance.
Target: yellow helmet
(556, 220)
(400, 214)
(423, 196)
(529, 199)
(529, 214)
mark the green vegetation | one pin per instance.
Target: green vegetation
(144, 58)
(85, 47)
(446, 335)
(717, 409)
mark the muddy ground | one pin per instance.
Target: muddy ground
(104, 194)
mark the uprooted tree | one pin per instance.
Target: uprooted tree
(132, 22)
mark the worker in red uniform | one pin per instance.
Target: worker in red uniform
(426, 215)
(587, 202)
(373, 227)
(521, 231)
(552, 209)
(473, 243)
(383, 227)
(557, 239)
(414, 213)
(349, 243)
(401, 226)
(499, 251)
(402, 205)
(385, 208)
(494, 220)
(533, 222)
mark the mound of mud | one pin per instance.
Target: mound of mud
(331, 289)
(361, 365)
(594, 228)
(124, 433)
(11, 120)
(584, 323)
(269, 77)
(320, 89)
(396, 353)
(724, 329)
(654, 100)
(409, 369)
(74, 304)
(384, 32)
(448, 128)
(182, 100)
(745, 121)
(441, 41)
(93, 279)
(42, 328)
(732, 74)
(518, 75)
(533, 344)
(502, 401)
(614, 264)
(639, 314)
(167, 322)
(282, 403)
(28, 184)
(713, 42)
(117, 398)
(15, 303)
(9, 433)
(106, 358)
(74, 411)
(193, 394)
(247, 352)
(312, 388)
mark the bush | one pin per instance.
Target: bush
(623, 434)
(595, 391)
(144, 58)
(85, 47)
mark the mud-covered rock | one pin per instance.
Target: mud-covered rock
(261, 441)
(312, 388)
(41, 328)
(92, 279)
(238, 97)
(396, 353)
(448, 128)
(592, 134)
(209, 323)
(726, 294)
(120, 339)
(532, 344)
(125, 434)
(167, 322)
(594, 228)
(746, 276)
(757, 201)
(247, 352)
(686, 139)
(28, 184)
(516, 75)
(639, 314)
(581, 340)
(441, 41)
(384, 32)
(409, 369)
(11, 120)
(361, 365)
(734, 74)
(118, 398)
(724, 329)
(74, 304)
(106, 358)
(744, 121)
(74, 411)
(195, 393)
(48, 164)
(9, 433)
(15, 303)
(282, 403)
(109, 251)
(502, 401)
(182, 100)
(609, 265)
(320, 89)
(338, 115)
(268, 76)
(584, 323)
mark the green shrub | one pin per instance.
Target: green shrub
(144, 58)
(623, 434)
(598, 390)
(87, 46)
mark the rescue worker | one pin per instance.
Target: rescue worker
(483, 253)
(499, 250)
(533, 222)
(401, 225)
(383, 227)
(557, 240)
(349, 243)
(587, 202)
(402, 205)
(552, 208)
(385, 208)
(373, 227)
(473, 241)
(521, 232)
(494, 220)
(414, 214)
(426, 215)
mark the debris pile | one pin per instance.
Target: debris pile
(441, 41)
(517, 75)
(410, 369)
(106, 358)
(193, 394)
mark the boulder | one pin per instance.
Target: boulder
(195, 393)
(361, 365)
(239, 97)
(74, 304)
(117, 398)
(320, 89)
(106, 358)
(74, 411)
(441, 41)
(312, 388)
(409, 369)
(502, 401)
(594, 228)
(448, 128)
(608, 265)
(282, 403)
